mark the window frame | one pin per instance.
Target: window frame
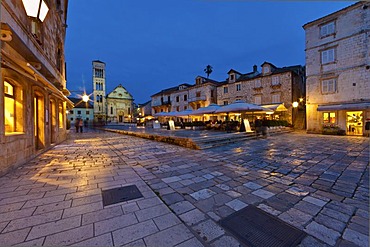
(238, 87)
(258, 83)
(17, 98)
(329, 118)
(226, 90)
(325, 84)
(258, 102)
(325, 56)
(275, 80)
(326, 27)
(275, 95)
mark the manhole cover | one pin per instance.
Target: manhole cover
(256, 228)
(120, 194)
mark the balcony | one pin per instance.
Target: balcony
(196, 99)
(276, 85)
(162, 103)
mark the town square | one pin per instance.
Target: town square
(187, 123)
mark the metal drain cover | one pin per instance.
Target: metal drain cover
(256, 228)
(121, 194)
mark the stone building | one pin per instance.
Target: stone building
(338, 70)
(203, 92)
(143, 112)
(33, 87)
(171, 99)
(119, 105)
(115, 107)
(274, 87)
(81, 110)
(185, 96)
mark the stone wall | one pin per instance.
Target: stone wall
(351, 66)
(33, 64)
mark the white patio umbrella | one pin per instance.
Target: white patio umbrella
(206, 110)
(240, 106)
(184, 113)
(164, 114)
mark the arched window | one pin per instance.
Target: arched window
(13, 108)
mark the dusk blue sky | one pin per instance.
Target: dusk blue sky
(152, 45)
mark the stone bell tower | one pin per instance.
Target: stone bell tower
(98, 72)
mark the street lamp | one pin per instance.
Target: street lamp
(36, 9)
(295, 104)
(85, 98)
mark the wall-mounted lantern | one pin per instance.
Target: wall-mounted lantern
(36, 9)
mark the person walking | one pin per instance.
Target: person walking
(77, 124)
(258, 126)
(265, 125)
(81, 125)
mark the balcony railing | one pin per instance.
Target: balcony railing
(199, 98)
(161, 103)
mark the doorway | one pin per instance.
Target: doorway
(39, 122)
(53, 121)
(354, 123)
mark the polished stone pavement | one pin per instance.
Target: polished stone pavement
(319, 184)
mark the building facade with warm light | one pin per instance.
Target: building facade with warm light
(203, 92)
(274, 87)
(116, 106)
(338, 71)
(120, 104)
(33, 81)
(82, 110)
(171, 99)
(186, 97)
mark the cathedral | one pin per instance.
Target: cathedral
(114, 107)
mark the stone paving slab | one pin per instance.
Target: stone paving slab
(317, 183)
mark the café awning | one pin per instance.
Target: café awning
(275, 107)
(346, 106)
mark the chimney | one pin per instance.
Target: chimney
(254, 68)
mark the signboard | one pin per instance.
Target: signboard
(156, 125)
(171, 124)
(247, 125)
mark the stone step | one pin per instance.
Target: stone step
(210, 142)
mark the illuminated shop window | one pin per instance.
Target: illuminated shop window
(329, 117)
(13, 108)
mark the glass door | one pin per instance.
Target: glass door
(355, 123)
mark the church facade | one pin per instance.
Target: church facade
(114, 107)
(119, 105)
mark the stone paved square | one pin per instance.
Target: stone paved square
(57, 195)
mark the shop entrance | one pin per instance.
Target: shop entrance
(354, 123)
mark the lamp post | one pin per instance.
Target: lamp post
(295, 108)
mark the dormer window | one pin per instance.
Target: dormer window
(232, 77)
(199, 81)
(266, 69)
(327, 29)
